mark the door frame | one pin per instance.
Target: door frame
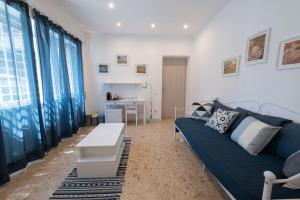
(186, 78)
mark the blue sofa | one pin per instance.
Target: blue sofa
(240, 173)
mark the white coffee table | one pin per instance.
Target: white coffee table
(100, 151)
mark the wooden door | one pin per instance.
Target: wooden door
(173, 85)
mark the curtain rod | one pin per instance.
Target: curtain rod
(31, 7)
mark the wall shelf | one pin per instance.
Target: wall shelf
(123, 82)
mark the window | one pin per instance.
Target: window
(14, 86)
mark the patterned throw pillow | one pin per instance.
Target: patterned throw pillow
(221, 120)
(202, 111)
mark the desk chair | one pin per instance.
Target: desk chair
(131, 109)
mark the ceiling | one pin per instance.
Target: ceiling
(136, 16)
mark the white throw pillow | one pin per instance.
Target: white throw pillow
(221, 120)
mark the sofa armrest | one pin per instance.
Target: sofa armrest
(270, 180)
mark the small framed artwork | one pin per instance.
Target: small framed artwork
(103, 69)
(141, 69)
(289, 53)
(231, 66)
(257, 47)
(122, 59)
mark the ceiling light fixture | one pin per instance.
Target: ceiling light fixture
(153, 25)
(111, 5)
(185, 26)
(119, 24)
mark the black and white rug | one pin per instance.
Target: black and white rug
(108, 188)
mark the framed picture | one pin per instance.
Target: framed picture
(289, 53)
(231, 66)
(141, 69)
(103, 68)
(257, 48)
(122, 59)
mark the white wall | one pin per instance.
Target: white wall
(226, 36)
(141, 50)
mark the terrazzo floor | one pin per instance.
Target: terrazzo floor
(159, 168)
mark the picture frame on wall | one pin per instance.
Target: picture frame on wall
(122, 59)
(231, 66)
(258, 47)
(289, 53)
(141, 69)
(103, 68)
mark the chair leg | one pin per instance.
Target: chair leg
(136, 120)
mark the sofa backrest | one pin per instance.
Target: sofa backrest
(287, 141)
(271, 120)
(280, 111)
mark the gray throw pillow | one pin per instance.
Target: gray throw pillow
(292, 165)
(291, 168)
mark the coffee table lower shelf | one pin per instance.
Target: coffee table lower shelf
(103, 166)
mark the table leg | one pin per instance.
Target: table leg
(105, 114)
(144, 113)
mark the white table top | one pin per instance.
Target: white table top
(103, 135)
(126, 100)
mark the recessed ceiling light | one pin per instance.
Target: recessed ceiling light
(185, 26)
(111, 5)
(153, 25)
(119, 24)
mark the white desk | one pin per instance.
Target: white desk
(127, 102)
(100, 151)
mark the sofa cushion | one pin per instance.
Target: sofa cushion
(286, 142)
(253, 135)
(239, 172)
(242, 115)
(218, 105)
(271, 120)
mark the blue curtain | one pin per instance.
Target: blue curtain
(20, 111)
(4, 177)
(56, 99)
(32, 122)
(74, 63)
(80, 80)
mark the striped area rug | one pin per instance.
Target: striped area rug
(108, 188)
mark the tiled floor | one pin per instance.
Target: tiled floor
(158, 168)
